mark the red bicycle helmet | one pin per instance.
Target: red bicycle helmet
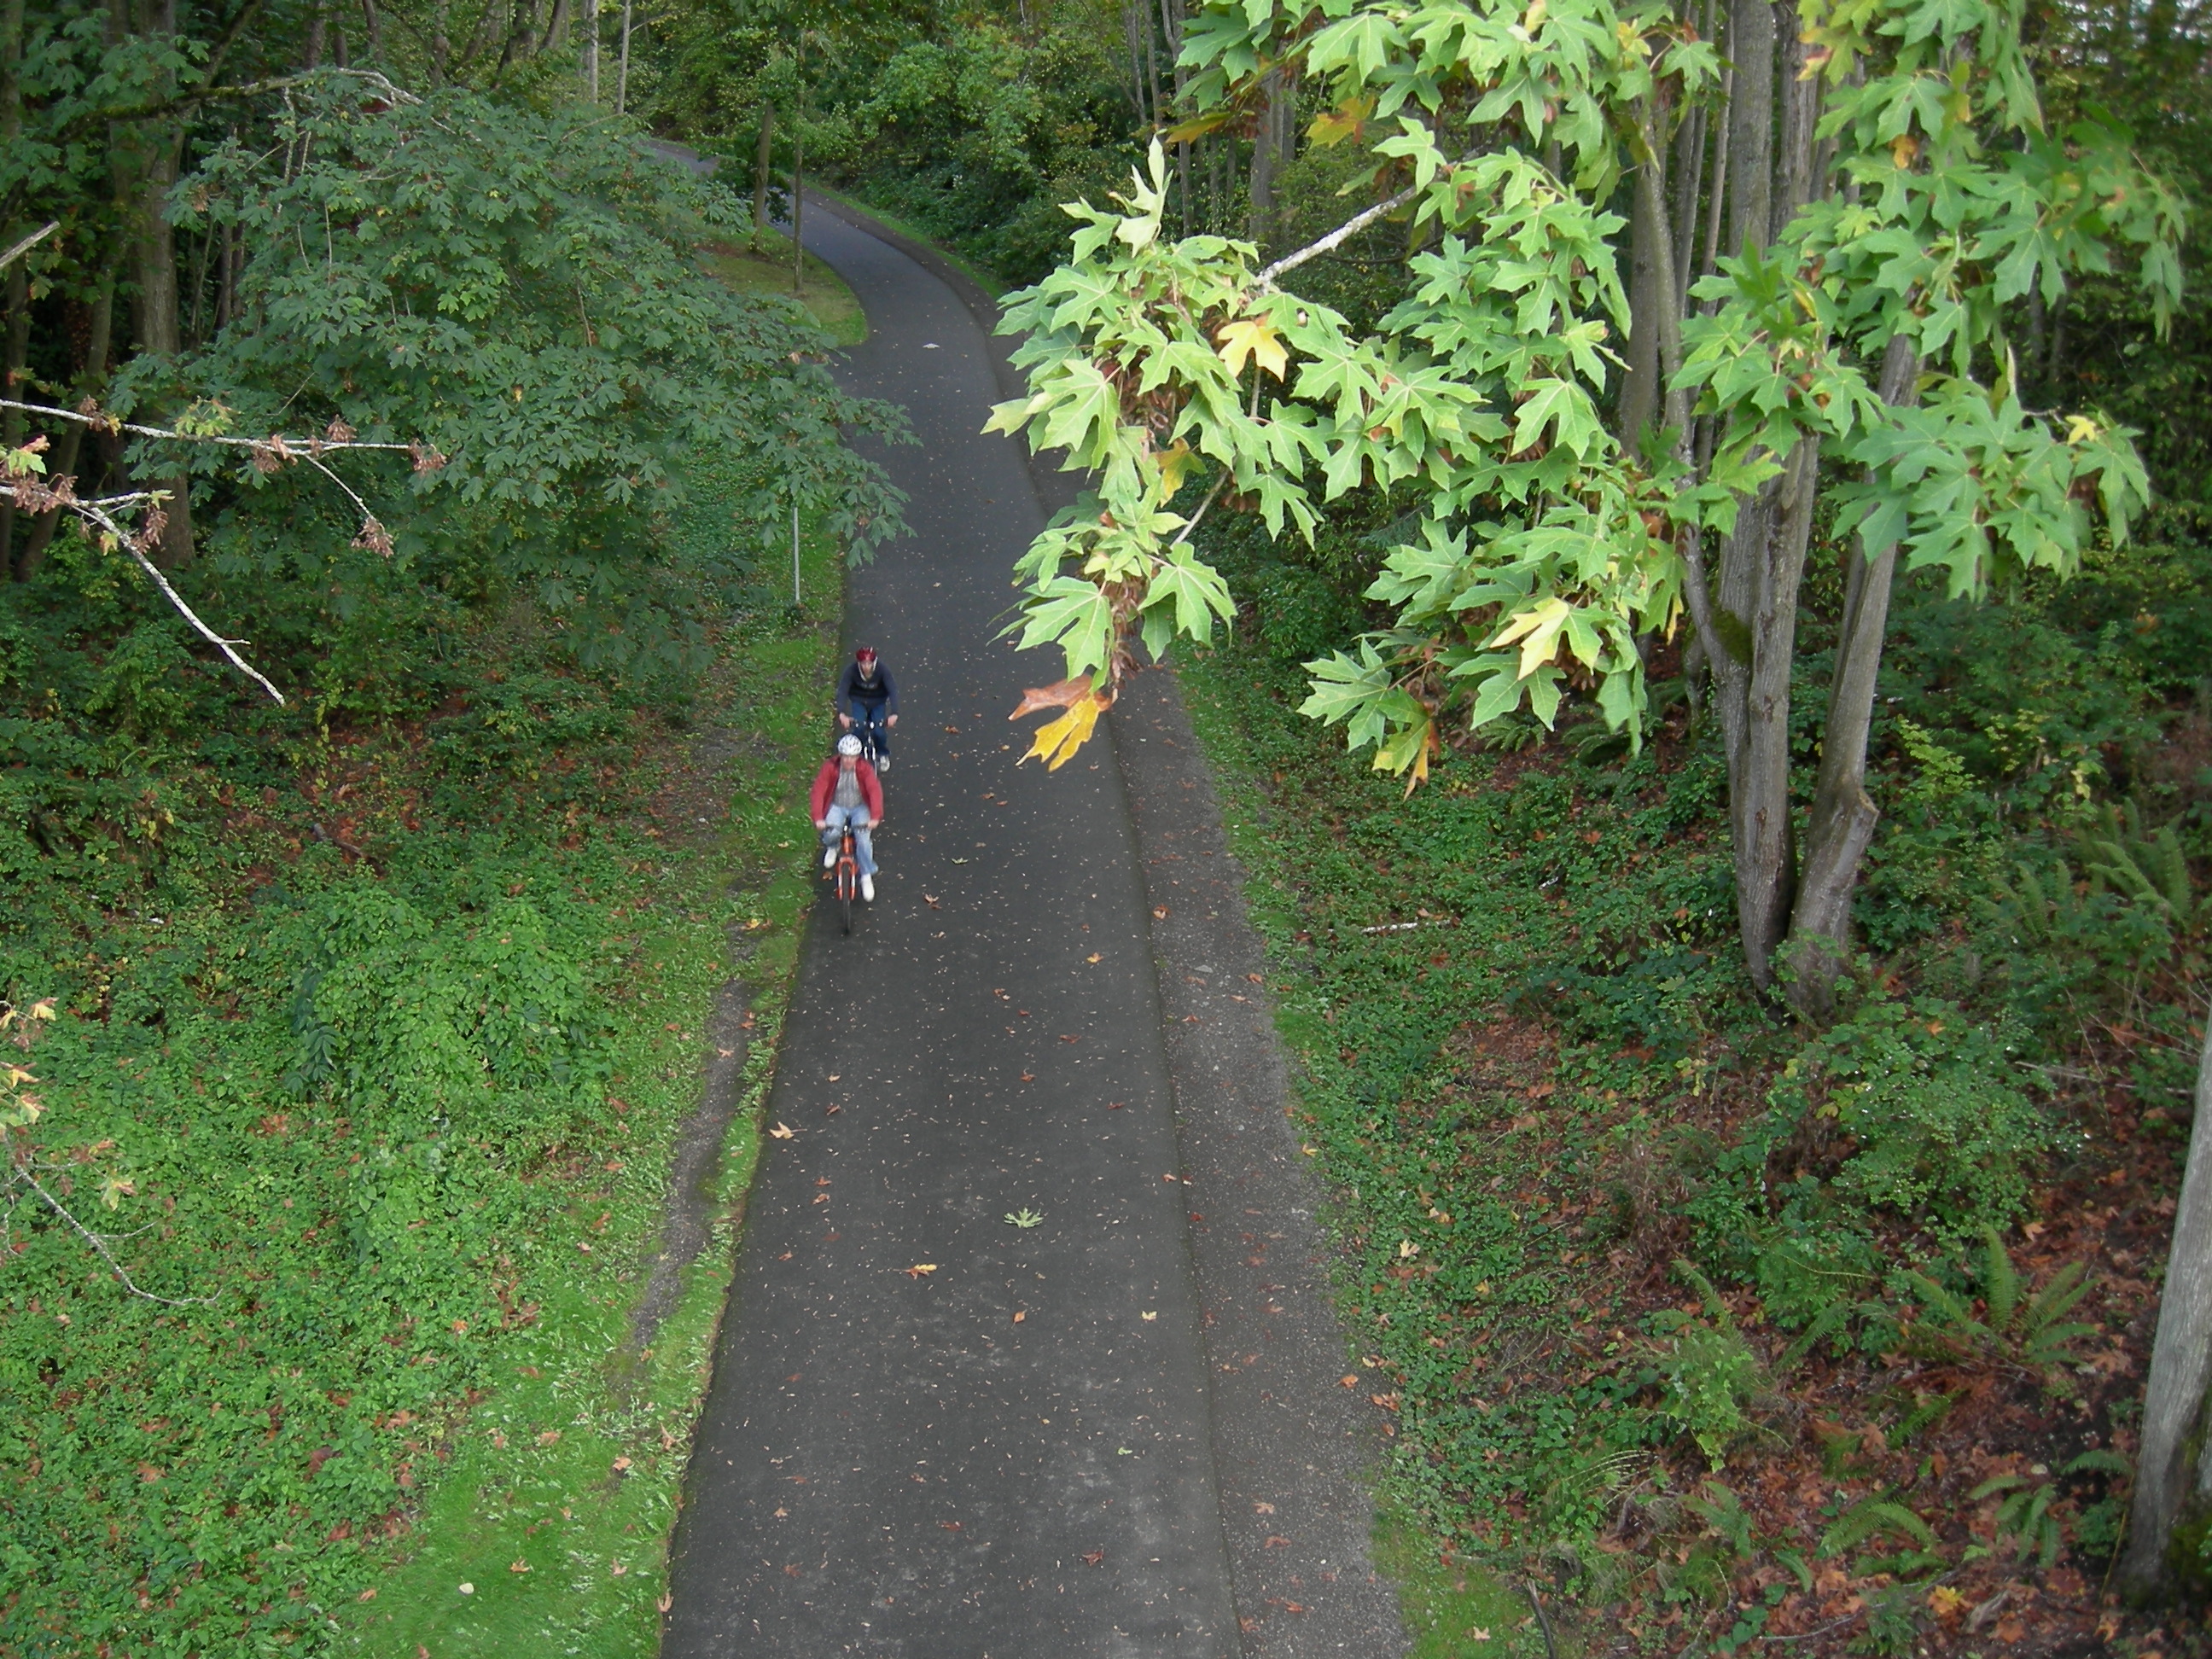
(866, 655)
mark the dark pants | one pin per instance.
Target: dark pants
(868, 722)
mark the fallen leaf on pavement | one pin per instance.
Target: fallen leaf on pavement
(782, 1131)
(919, 1269)
(1093, 1558)
(1093, 956)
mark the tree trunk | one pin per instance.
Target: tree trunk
(1171, 18)
(1648, 290)
(622, 67)
(592, 49)
(146, 157)
(1751, 123)
(1761, 569)
(2173, 1476)
(1265, 150)
(798, 187)
(1151, 69)
(69, 446)
(1842, 824)
(1717, 196)
(371, 25)
(1794, 181)
(762, 150)
(1132, 10)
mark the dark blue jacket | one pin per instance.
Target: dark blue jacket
(852, 689)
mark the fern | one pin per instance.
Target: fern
(2024, 1516)
(2000, 1280)
(1872, 1518)
(1716, 1310)
(2032, 1335)
(2148, 870)
(1825, 1323)
(1931, 1410)
(1719, 1508)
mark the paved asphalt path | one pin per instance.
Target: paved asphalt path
(1007, 1453)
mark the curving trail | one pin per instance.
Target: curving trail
(1015, 1453)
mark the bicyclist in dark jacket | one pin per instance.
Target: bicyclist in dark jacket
(867, 702)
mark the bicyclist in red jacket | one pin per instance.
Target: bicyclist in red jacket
(847, 791)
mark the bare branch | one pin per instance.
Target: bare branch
(1336, 238)
(28, 244)
(288, 447)
(1210, 495)
(101, 1245)
(92, 511)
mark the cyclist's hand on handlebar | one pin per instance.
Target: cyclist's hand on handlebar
(892, 720)
(845, 721)
(821, 823)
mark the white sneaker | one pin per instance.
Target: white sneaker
(828, 858)
(883, 763)
(868, 889)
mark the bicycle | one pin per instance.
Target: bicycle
(868, 730)
(845, 875)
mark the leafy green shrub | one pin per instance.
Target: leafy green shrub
(1708, 1373)
(2032, 711)
(1936, 1127)
(1300, 613)
(1940, 846)
(529, 726)
(144, 688)
(479, 1022)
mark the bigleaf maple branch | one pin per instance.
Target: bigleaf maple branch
(94, 511)
(269, 454)
(276, 443)
(28, 244)
(1343, 232)
(99, 1244)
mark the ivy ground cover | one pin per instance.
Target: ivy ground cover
(379, 1045)
(1701, 1328)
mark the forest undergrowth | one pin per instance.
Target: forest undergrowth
(372, 1037)
(1717, 1332)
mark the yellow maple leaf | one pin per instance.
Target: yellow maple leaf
(1347, 120)
(1254, 337)
(1056, 741)
(1905, 150)
(1174, 463)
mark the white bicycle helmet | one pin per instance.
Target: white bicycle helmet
(848, 744)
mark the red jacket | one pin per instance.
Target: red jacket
(871, 788)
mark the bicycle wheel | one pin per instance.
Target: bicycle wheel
(848, 881)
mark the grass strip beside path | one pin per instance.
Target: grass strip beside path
(768, 271)
(555, 1510)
